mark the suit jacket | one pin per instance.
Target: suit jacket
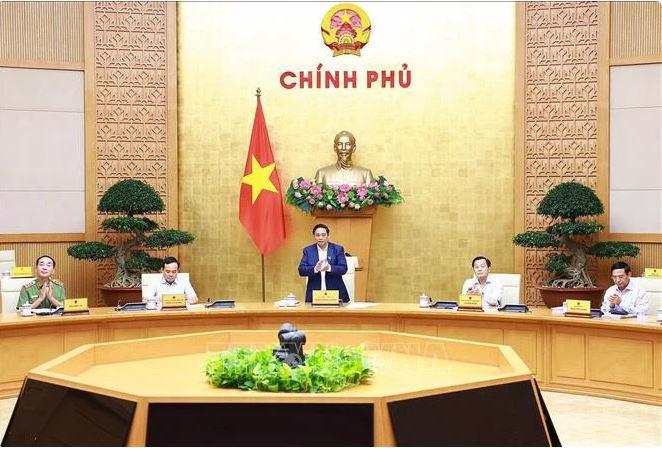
(336, 256)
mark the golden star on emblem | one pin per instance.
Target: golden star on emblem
(258, 179)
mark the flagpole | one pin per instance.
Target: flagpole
(263, 296)
(258, 93)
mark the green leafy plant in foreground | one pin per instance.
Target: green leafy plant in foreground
(327, 369)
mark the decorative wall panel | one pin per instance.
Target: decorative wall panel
(38, 32)
(636, 31)
(561, 109)
(134, 77)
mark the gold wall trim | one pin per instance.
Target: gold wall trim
(43, 237)
(603, 128)
(636, 31)
(67, 269)
(41, 31)
(632, 60)
(633, 237)
(172, 150)
(90, 127)
(520, 132)
(53, 65)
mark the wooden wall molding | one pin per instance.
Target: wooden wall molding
(35, 64)
(35, 34)
(42, 237)
(636, 33)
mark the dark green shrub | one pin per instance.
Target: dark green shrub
(128, 198)
(570, 201)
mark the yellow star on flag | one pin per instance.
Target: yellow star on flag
(258, 179)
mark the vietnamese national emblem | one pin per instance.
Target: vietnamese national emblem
(346, 29)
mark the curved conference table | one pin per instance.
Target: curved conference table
(620, 359)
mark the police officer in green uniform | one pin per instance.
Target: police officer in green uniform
(44, 291)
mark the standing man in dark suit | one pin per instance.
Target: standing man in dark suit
(324, 264)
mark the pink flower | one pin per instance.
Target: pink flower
(342, 198)
(371, 201)
(335, 188)
(345, 188)
(329, 207)
(377, 194)
(389, 188)
(315, 190)
(297, 194)
(295, 184)
(373, 185)
(311, 201)
(362, 191)
(305, 184)
(319, 196)
(361, 197)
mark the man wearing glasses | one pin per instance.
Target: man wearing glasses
(625, 296)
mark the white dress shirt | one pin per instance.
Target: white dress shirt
(492, 291)
(633, 299)
(178, 286)
(321, 255)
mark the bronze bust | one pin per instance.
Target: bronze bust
(344, 171)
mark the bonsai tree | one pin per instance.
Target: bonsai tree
(130, 198)
(569, 202)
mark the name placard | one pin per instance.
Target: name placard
(326, 298)
(21, 272)
(471, 302)
(173, 301)
(581, 307)
(650, 272)
(75, 305)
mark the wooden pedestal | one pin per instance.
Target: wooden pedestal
(352, 230)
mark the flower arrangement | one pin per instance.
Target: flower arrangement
(327, 369)
(307, 195)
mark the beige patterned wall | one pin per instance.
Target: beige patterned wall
(134, 103)
(560, 111)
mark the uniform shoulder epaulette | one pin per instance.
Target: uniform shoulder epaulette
(58, 282)
(30, 284)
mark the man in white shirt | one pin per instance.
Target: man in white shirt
(170, 283)
(483, 284)
(625, 296)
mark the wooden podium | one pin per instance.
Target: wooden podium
(352, 230)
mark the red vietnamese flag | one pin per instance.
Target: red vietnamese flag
(260, 201)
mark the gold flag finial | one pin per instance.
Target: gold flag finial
(258, 92)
